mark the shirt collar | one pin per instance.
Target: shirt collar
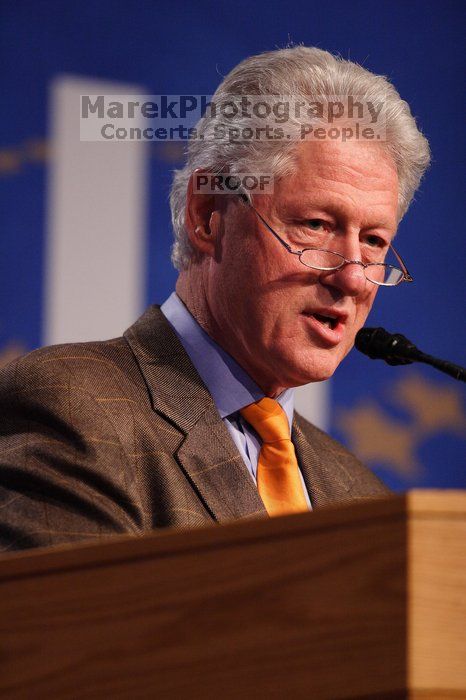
(229, 385)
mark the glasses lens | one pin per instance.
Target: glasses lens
(321, 259)
(384, 274)
(379, 273)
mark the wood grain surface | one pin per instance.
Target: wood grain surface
(331, 604)
(437, 592)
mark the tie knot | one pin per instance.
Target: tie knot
(268, 419)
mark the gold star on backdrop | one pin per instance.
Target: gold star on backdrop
(375, 437)
(12, 160)
(380, 439)
(434, 407)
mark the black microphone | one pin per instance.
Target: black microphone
(395, 349)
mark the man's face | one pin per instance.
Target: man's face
(266, 308)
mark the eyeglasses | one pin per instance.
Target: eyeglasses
(382, 274)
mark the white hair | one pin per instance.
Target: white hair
(301, 72)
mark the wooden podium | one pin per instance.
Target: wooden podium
(363, 601)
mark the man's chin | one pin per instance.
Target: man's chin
(309, 375)
(320, 376)
(319, 367)
(294, 369)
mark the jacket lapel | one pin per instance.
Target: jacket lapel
(326, 479)
(207, 453)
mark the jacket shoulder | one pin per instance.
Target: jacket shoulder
(65, 470)
(94, 367)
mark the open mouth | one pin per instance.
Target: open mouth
(329, 321)
(327, 325)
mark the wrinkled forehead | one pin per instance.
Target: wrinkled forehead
(348, 176)
(345, 160)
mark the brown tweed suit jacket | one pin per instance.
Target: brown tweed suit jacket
(122, 436)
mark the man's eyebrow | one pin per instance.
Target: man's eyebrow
(338, 210)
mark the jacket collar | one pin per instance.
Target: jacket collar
(207, 453)
(326, 479)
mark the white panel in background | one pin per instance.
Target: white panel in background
(94, 265)
(312, 401)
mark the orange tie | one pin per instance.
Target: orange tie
(278, 478)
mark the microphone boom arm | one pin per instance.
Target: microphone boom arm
(395, 349)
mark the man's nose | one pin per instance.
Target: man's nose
(349, 279)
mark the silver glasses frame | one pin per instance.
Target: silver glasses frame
(406, 277)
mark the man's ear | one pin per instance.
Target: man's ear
(201, 218)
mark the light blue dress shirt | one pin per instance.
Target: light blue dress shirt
(229, 385)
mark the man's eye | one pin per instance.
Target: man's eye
(315, 224)
(376, 242)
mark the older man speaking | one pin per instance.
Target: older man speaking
(188, 418)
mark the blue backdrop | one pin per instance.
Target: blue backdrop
(407, 423)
